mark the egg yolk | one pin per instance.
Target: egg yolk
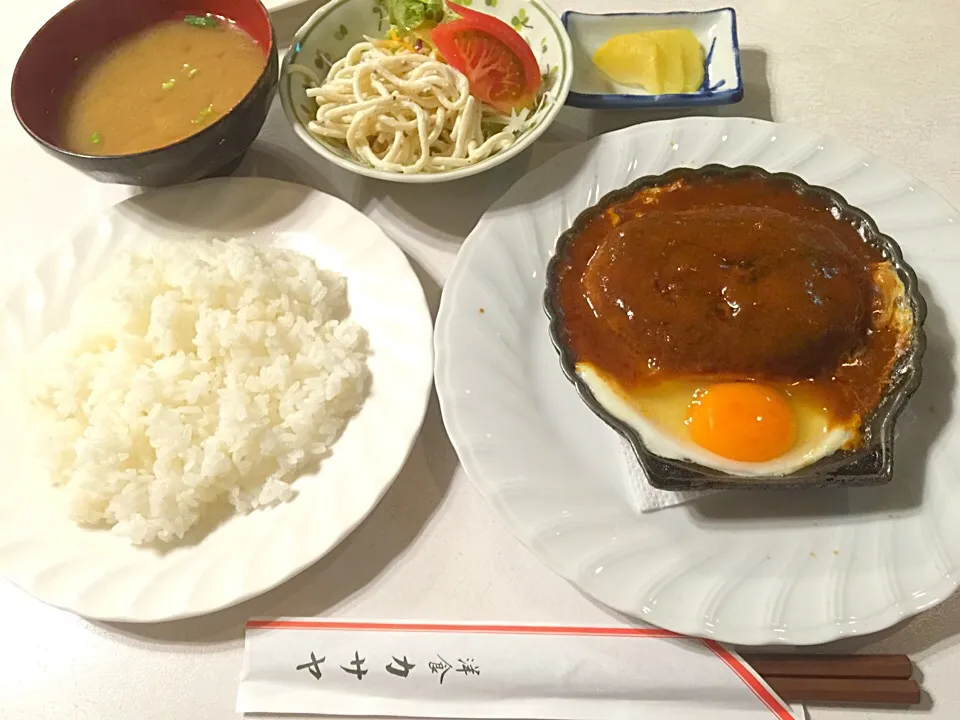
(742, 421)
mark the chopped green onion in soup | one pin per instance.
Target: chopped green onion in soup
(204, 115)
(202, 21)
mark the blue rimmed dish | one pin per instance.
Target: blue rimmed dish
(715, 29)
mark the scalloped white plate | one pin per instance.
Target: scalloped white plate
(797, 567)
(100, 575)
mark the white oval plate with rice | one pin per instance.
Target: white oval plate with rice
(100, 574)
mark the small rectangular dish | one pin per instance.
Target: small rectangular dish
(715, 29)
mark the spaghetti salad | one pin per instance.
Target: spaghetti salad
(397, 106)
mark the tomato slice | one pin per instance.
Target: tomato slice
(502, 69)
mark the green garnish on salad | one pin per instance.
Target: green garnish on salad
(410, 14)
(202, 21)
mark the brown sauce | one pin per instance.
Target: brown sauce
(724, 279)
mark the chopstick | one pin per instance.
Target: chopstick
(853, 679)
(859, 691)
(895, 667)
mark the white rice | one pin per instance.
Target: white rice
(193, 373)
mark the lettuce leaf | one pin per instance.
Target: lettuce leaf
(408, 14)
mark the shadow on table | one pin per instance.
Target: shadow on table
(442, 214)
(371, 550)
(275, 161)
(288, 20)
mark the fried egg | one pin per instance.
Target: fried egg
(740, 428)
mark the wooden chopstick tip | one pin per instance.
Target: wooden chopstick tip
(894, 667)
(852, 691)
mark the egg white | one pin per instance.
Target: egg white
(660, 441)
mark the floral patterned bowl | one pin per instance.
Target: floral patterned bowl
(340, 24)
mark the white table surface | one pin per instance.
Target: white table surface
(882, 74)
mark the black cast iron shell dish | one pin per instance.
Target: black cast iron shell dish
(870, 464)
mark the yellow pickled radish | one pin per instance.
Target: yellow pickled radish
(633, 60)
(693, 58)
(671, 63)
(659, 61)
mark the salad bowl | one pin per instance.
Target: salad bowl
(340, 24)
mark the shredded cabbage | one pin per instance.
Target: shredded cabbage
(409, 14)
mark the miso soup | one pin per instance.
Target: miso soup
(160, 85)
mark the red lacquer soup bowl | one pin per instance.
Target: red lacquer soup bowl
(83, 30)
